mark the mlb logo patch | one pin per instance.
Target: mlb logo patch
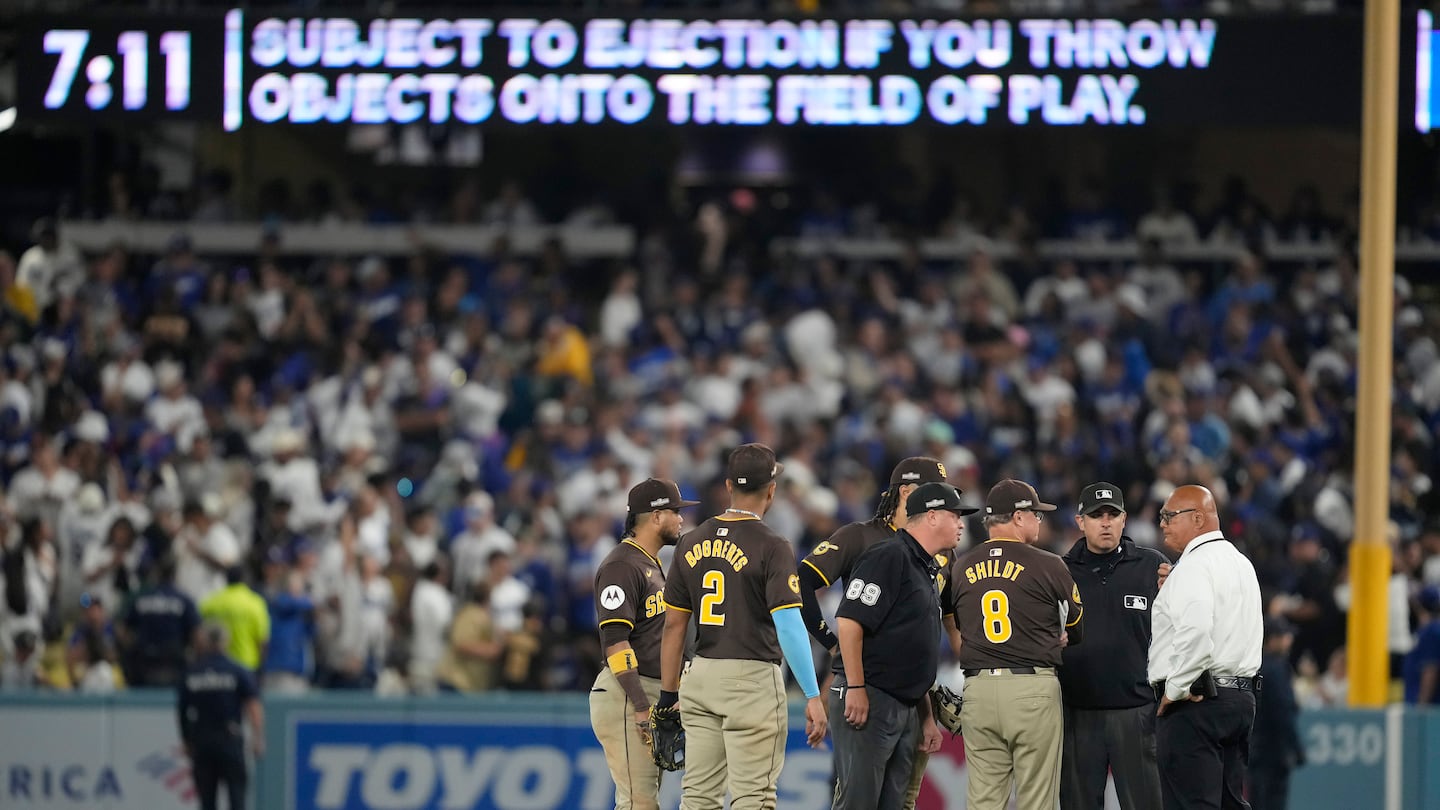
(1136, 602)
(995, 552)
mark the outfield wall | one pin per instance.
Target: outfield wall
(536, 752)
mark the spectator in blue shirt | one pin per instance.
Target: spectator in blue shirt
(290, 659)
(1422, 663)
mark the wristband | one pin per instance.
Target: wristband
(622, 662)
(668, 699)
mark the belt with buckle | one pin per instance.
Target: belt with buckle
(1221, 682)
(970, 673)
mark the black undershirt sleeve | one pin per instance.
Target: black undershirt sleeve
(810, 582)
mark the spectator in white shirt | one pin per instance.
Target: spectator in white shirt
(372, 524)
(50, 268)
(111, 569)
(127, 379)
(1208, 628)
(471, 549)
(83, 523)
(20, 671)
(205, 548)
(36, 553)
(508, 595)
(173, 409)
(297, 475)
(1166, 223)
(421, 541)
(620, 313)
(431, 610)
(40, 489)
(377, 599)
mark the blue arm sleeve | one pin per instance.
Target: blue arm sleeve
(795, 643)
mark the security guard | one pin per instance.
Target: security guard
(889, 625)
(213, 693)
(1209, 627)
(1109, 705)
(156, 628)
(630, 603)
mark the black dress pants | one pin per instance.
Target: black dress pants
(213, 764)
(1203, 748)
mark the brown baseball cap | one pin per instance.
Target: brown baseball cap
(655, 494)
(752, 466)
(1011, 495)
(917, 470)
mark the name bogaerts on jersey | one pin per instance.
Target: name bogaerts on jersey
(722, 549)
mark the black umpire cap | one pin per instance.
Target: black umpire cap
(917, 470)
(655, 494)
(752, 466)
(936, 495)
(1099, 495)
(1011, 495)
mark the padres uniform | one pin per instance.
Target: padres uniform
(834, 559)
(732, 572)
(1011, 602)
(630, 608)
(629, 591)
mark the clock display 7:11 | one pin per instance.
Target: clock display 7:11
(133, 48)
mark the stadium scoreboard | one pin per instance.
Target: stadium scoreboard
(241, 69)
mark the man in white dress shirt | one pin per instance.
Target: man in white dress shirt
(1208, 629)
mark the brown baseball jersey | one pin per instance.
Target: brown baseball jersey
(732, 573)
(833, 559)
(1011, 601)
(630, 590)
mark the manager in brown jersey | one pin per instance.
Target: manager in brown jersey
(736, 577)
(629, 601)
(1012, 603)
(833, 560)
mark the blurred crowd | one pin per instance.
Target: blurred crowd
(401, 475)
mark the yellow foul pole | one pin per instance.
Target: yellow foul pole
(1368, 658)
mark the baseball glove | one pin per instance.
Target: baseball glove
(946, 705)
(667, 743)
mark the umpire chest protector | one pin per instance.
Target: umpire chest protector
(1108, 671)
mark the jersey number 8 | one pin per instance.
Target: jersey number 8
(995, 607)
(714, 584)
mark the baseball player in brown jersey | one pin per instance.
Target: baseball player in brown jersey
(1013, 602)
(834, 559)
(630, 603)
(736, 578)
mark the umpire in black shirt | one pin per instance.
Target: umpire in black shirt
(1109, 705)
(889, 629)
(213, 693)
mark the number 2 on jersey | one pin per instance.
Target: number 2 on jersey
(995, 607)
(714, 584)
